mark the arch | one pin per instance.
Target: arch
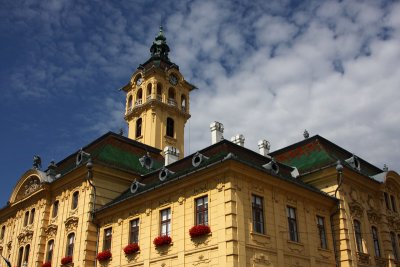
(183, 103)
(170, 127)
(129, 104)
(138, 79)
(171, 97)
(139, 97)
(138, 128)
(159, 91)
(20, 255)
(30, 183)
(26, 254)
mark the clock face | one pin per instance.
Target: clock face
(139, 81)
(173, 80)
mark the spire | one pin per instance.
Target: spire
(160, 49)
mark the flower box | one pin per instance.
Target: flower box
(162, 240)
(46, 264)
(66, 260)
(131, 248)
(104, 255)
(199, 230)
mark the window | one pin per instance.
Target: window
(202, 211)
(392, 199)
(138, 127)
(357, 232)
(394, 246)
(165, 224)
(170, 127)
(159, 91)
(258, 214)
(322, 233)
(183, 103)
(3, 231)
(27, 250)
(20, 255)
(32, 217)
(55, 209)
(376, 241)
(134, 231)
(107, 239)
(387, 200)
(1, 251)
(70, 244)
(130, 102)
(149, 89)
(75, 198)
(26, 217)
(50, 249)
(292, 222)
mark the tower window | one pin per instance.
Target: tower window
(130, 98)
(183, 103)
(171, 97)
(149, 89)
(139, 97)
(159, 92)
(170, 127)
(139, 127)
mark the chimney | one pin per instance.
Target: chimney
(264, 146)
(171, 154)
(217, 130)
(238, 139)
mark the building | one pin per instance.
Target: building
(137, 201)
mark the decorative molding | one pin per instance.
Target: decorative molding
(371, 202)
(374, 217)
(291, 201)
(181, 200)
(31, 186)
(258, 188)
(261, 258)
(260, 239)
(71, 224)
(200, 189)
(51, 231)
(202, 260)
(25, 237)
(148, 212)
(164, 202)
(295, 247)
(353, 194)
(356, 209)
(220, 186)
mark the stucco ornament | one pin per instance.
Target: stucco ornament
(51, 231)
(32, 185)
(25, 237)
(356, 209)
(71, 224)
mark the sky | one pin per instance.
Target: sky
(265, 69)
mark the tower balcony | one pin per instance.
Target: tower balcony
(139, 102)
(171, 102)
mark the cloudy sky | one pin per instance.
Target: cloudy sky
(265, 69)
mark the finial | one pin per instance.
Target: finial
(385, 168)
(37, 162)
(160, 49)
(121, 131)
(306, 134)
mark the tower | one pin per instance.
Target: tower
(157, 100)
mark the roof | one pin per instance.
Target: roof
(215, 154)
(317, 152)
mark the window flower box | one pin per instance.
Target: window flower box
(104, 255)
(131, 248)
(162, 240)
(66, 260)
(46, 264)
(199, 230)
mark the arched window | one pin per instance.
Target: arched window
(26, 217)
(171, 97)
(27, 250)
(159, 92)
(129, 104)
(3, 231)
(70, 244)
(183, 103)
(138, 127)
(139, 97)
(75, 198)
(149, 91)
(55, 209)
(170, 127)
(375, 239)
(20, 255)
(50, 249)
(32, 217)
(357, 232)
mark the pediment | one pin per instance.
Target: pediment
(30, 182)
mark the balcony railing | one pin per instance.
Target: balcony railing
(171, 102)
(138, 102)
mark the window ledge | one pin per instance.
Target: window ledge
(260, 239)
(295, 246)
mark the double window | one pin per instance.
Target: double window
(258, 214)
(390, 202)
(23, 257)
(134, 231)
(292, 223)
(70, 244)
(375, 239)
(165, 223)
(107, 239)
(322, 232)
(357, 232)
(202, 211)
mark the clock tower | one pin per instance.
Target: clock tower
(157, 100)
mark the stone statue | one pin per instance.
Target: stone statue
(37, 162)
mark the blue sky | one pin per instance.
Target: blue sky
(265, 69)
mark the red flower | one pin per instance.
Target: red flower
(199, 230)
(46, 264)
(162, 240)
(104, 255)
(131, 248)
(66, 260)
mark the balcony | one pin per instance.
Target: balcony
(171, 102)
(138, 102)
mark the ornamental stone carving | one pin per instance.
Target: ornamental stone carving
(71, 224)
(31, 186)
(25, 237)
(356, 210)
(51, 231)
(374, 217)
